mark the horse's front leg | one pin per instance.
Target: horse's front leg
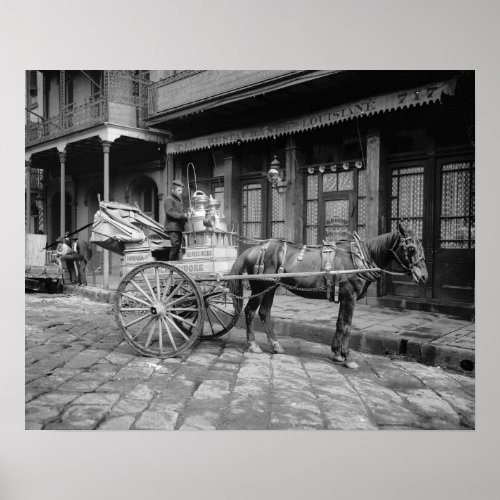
(340, 344)
(250, 311)
(265, 317)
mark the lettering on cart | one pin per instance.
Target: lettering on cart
(192, 268)
(199, 253)
(138, 258)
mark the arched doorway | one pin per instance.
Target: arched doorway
(55, 206)
(144, 192)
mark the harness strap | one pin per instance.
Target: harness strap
(281, 268)
(258, 268)
(327, 256)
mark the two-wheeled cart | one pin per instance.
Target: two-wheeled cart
(162, 307)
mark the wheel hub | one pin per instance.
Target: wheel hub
(157, 309)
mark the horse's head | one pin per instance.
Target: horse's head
(408, 253)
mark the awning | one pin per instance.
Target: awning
(417, 96)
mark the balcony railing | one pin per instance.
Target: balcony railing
(36, 179)
(124, 101)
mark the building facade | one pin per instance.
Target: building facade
(353, 150)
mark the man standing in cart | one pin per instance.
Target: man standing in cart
(175, 218)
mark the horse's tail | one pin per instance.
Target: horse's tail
(236, 285)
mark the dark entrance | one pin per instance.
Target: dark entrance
(454, 230)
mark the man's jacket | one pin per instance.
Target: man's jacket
(175, 214)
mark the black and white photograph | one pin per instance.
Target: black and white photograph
(250, 250)
(260, 250)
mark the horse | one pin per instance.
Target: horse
(281, 257)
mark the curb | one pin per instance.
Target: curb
(403, 346)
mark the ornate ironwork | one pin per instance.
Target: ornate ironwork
(124, 96)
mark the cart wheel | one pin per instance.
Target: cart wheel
(159, 309)
(222, 310)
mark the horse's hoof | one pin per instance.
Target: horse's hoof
(351, 364)
(254, 348)
(277, 349)
(337, 359)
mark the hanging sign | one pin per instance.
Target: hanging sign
(377, 104)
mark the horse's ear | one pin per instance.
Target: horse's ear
(401, 229)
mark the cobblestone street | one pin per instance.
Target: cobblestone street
(80, 374)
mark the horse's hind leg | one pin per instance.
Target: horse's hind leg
(250, 310)
(265, 317)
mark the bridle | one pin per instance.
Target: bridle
(409, 247)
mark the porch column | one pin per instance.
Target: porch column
(27, 165)
(231, 191)
(62, 160)
(375, 214)
(294, 199)
(106, 147)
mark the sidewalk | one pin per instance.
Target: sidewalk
(428, 338)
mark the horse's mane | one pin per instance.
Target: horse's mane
(379, 246)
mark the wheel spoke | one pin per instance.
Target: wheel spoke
(167, 286)
(175, 290)
(150, 336)
(184, 297)
(183, 320)
(177, 328)
(213, 306)
(152, 318)
(210, 322)
(157, 274)
(141, 290)
(137, 299)
(136, 320)
(192, 309)
(217, 318)
(146, 280)
(160, 338)
(135, 309)
(169, 333)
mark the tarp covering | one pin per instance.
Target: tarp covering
(118, 224)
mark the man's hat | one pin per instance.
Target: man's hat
(177, 182)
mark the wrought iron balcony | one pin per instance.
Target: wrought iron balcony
(123, 101)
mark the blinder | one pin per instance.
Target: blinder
(409, 249)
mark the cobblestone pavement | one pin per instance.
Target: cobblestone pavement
(80, 374)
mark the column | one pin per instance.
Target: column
(106, 147)
(375, 214)
(27, 165)
(62, 160)
(294, 198)
(232, 191)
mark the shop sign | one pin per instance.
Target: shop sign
(365, 107)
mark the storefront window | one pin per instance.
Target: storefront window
(407, 200)
(251, 219)
(312, 210)
(457, 205)
(278, 214)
